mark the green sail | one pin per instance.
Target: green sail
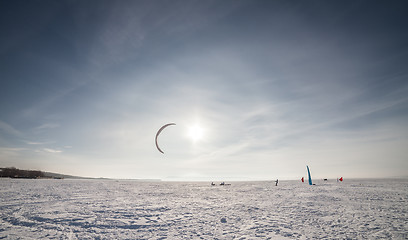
(310, 178)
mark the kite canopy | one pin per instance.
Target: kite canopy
(158, 133)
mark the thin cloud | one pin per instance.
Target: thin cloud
(49, 150)
(48, 126)
(10, 129)
(37, 143)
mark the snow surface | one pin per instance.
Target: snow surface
(110, 209)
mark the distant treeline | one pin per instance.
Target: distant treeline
(18, 173)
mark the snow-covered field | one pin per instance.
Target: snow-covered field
(109, 209)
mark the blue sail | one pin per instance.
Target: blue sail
(308, 173)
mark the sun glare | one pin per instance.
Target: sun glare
(196, 133)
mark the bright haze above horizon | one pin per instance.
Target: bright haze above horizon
(257, 89)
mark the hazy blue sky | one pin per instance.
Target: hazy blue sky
(273, 85)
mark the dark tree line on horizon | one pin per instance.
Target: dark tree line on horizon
(13, 172)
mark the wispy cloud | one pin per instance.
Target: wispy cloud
(10, 129)
(49, 150)
(8, 154)
(12, 149)
(37, 143)
(48, 126)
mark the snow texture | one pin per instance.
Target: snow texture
(110, 209)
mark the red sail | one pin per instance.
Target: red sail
(303, 180)
(341, 179)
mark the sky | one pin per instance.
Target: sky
(268, 87)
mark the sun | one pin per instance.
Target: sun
(196, 133)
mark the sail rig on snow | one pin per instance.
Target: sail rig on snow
(308, 173)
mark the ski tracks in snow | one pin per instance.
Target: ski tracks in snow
(109, 209)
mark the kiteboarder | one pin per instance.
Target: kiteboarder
(276, 182)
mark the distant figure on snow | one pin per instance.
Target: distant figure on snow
(212, 183)
(276, 182)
